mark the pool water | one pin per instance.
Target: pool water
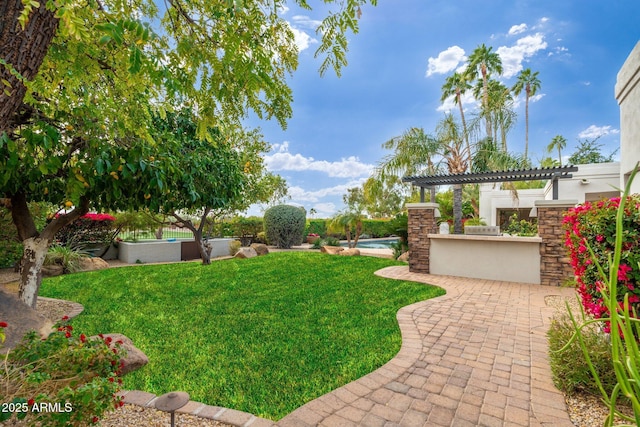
(373, 243)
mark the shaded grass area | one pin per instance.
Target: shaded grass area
(263, 335)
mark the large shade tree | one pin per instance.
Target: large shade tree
(81, 81)
(207, 174)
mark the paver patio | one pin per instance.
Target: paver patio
(476, 356)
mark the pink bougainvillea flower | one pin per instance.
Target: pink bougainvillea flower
(623, 269)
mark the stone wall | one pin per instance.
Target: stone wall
(555, 267)
(421, 222)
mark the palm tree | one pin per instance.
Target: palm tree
(344, 221)
(558, 142)
(530, 83)
(413, 154)
(485, 62)
(499, 110)
(456, 85)
(457, 160)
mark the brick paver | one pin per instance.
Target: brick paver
(476, 356)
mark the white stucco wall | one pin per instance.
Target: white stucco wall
(511, 259)
(591, 182)
(627, 93)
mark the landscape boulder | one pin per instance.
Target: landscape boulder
(90, 264)
(134, 359)
(20, 319)
(404, 257)
(246, 253)
(331, 250)
(350, 252)
(52, 270)
(260, 248)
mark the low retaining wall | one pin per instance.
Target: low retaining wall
(511, 259)
(167, 251)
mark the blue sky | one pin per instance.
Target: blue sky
(398, 63)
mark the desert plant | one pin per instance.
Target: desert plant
(399, 248)
(571, 372)
(66, 256)
(284, 225)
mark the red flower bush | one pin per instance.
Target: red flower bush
(593, 226)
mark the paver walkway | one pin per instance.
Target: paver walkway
(476, 356)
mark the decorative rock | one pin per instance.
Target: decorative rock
(246, 253)
(90, 264)
(52, 270)
(260, 248)
(331, 250)
(350, 252)
(21, 319)
(134, 359)
(404, 257)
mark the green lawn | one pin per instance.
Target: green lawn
(263, 335)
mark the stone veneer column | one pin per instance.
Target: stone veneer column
(555, 267)
(422, 221)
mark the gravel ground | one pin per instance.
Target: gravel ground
(132, 415)
(584, 410)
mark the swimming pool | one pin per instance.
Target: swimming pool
(373, 243)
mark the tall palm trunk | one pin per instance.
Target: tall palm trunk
(485, 99)
(464, 130)
(526, 125)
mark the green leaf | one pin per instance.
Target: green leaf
(135, 60)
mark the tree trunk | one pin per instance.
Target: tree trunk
(526, 133)
(358, 233)
(35, 250)
(466, 132)
(24, 51)
(457, 209)
(36, 244)
(203, 247)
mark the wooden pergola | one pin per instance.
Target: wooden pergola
(535, 174)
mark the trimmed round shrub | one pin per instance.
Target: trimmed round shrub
(284, 225)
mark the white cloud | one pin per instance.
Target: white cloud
(302, 39)
(306, 22)
(283, 160)
(536, 97)
(446, 61)
(299, 194)
(324, 210)
(512, 57)
(594, 131)
(517, 29)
